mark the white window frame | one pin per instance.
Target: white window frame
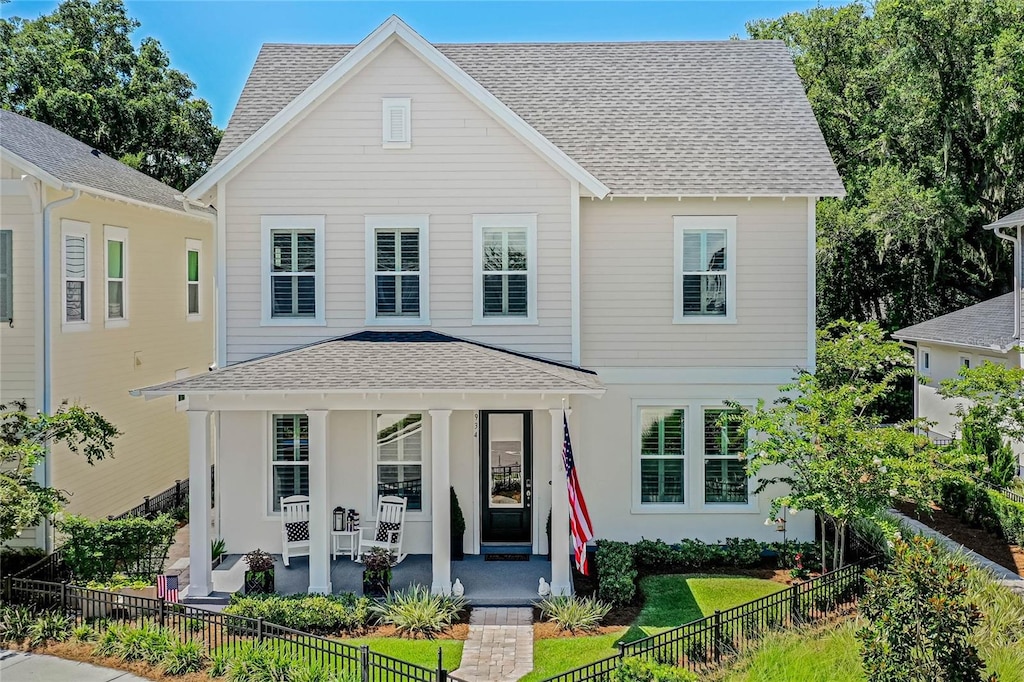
(271, 444)
(115, 234)
(387, 105)
(684, 224)
(7, 264)
(964, 360)
(639, 506)
(268, 224)
(751, 503)
(525, 221)
(422, 514)
(75, 228)
(924, 361)
(197, 246)
(385, 223)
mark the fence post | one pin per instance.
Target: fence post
(442, 674)
(717, 643)
(364, 663)
(177, 493)
(160, 610)
(145, 505)
(7, 589)
(794, 604)
(63, 595)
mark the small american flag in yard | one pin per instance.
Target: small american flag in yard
(167, 587)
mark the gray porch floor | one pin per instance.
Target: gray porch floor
(487, 583)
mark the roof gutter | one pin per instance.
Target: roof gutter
(1015, 240)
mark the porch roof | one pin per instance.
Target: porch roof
(389, 362)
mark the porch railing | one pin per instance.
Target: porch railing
(217, 632)
(704, 644)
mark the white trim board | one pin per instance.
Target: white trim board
(391, 30)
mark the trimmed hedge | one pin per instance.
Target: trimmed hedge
(96, 550)
(320, 614)
(657, 556)
(982, 507)
(616, 572)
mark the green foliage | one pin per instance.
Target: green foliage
(687, 556)
(183, 658)
(982, 507)
(218, 548)
(135, 547)
(920, 104)
(23, 445)
(118, 581)
(15, 623)
(83, 633)
(643, 670)
(316, 613)
(416, 611)
(574, 614)
(921, 619)
(259, 561)
(16, 559)
(616, 572)
(78, 69)
(144, 642)
(377, 565)
(219, 661)
(50, 626)
(109, 641)
(458, 520)
(262, 662)
(839, 459)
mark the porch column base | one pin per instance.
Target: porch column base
(320, 589)
(441, 504)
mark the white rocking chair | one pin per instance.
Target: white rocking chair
(294, 527)
(388, 531)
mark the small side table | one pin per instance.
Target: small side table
(344, 541)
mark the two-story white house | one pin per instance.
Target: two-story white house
(428, 251)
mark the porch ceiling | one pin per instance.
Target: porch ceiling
(389, 362)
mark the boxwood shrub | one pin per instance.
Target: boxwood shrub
(320, 614)
(616, 572)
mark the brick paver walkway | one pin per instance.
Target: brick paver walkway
(500, 645)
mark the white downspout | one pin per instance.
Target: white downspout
(1016, 278)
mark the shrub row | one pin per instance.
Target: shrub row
(96, 550)
(319, 614)
(982, 507)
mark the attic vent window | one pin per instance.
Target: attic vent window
(396, 122)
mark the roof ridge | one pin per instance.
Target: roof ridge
(545, 43)
(524, 362)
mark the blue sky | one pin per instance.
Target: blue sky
(215, 42)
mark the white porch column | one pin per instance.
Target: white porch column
(200, 580)
(561, 577)
(441, 504)
(319, 549)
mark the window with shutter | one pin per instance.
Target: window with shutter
(75, 277)
(289, 458)
(725, 474)
(705, 269)
(662, 455)
(396, 272)
(6, 275)
(293, 262)
(396, 122)
(506, 268)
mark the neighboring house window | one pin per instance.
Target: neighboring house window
(293, 265)
(397, 122)
(965, 361)
(6, 275)
(725, 476)
(398, 457)
(75, 266)
(117, 280)
(193, 251)
(289, 462)
(397, 267)
(705, 269)
(662, 449)
(505, 290)
(924, 361)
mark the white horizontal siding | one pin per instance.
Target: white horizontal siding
(462, 162)
(627, 303)
(18, 366)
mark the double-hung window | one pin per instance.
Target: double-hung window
(725, 475)
(117, 274)
(6, 276)
(75, 267)
(705, 269)
(289, 458)
(505, 260)
(398, 457)
(397, 286)
(193, 253)
(662, 455)
(293, 270)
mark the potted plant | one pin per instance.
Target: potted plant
(458, 528)
(376, 572)
(217, 551)
(259, 578)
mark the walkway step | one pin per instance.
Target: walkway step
(499, 647)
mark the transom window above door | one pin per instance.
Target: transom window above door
(293, 270)
(397, 282)
(505, 269)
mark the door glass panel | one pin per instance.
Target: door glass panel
(505, 448)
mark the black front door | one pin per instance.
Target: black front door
(506, 483)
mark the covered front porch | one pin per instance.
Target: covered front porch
(458, 415)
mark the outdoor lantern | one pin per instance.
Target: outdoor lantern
(339, 518)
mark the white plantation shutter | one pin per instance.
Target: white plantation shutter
(6, 276)
(396, 121)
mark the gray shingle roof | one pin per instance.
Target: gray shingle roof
(1015, 218)
(391, 362)
(988, 324)
(74, 162)
(659, 118)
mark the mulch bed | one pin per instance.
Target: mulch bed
(459, 631)
(989, 545)
(82, 651)
(549, 630)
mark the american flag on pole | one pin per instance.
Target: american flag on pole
(579, 520)
(167, 587)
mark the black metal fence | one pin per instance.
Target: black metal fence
(218, 633)
(165, 502)
(704, 644)
(1012, 494)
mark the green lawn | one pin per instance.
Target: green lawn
(669, 601)
(419, 651)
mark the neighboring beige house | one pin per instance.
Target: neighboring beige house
(429, 250)
(989, 331)
(129, 299)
